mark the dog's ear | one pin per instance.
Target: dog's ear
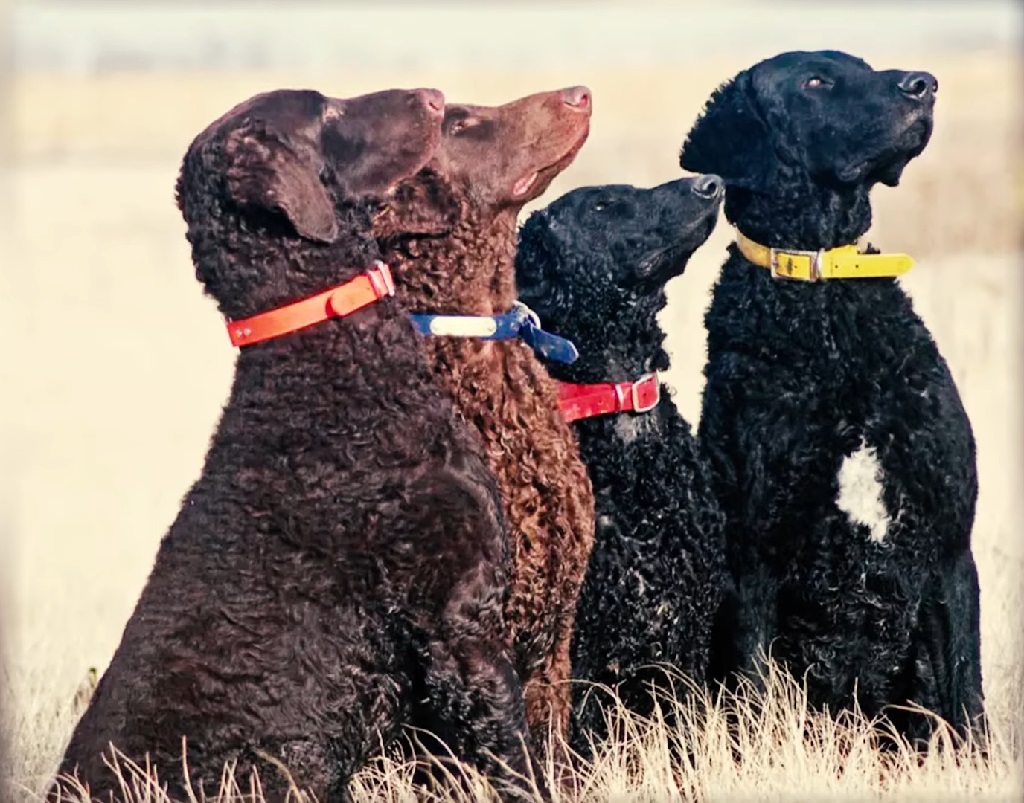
(269, 171)
(538, 255)
(425, 204)
(731, 137)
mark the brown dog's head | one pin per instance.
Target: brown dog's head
(292, 173)
(491, 162)
(506, 156)
(491, 159)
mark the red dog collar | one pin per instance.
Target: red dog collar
(587, 401)
(337, 302)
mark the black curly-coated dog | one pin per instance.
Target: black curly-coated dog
(594, 265)
(338, 569)
(841, 451)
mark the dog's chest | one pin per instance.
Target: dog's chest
(644, 467)
(898, 462)
(881, 459)
(860, 484)
(631, 429)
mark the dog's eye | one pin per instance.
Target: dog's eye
(458, 126)
(600, 206)
(816, 82)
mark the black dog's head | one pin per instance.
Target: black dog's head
(828, 114)
(595, 262)
(811, 119)
(801, 138)
(277, 192)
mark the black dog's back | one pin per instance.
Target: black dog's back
(594, 265)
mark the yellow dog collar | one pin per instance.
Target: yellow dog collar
(844, 262)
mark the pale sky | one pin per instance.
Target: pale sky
(80, 35)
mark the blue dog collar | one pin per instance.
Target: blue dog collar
(520, 321)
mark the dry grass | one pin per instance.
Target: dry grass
(785, 754)
(120, 367)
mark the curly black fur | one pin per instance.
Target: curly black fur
(802, 376)
(594, 265)
(338, 569)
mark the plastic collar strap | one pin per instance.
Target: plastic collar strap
(587, 401)
(520, 322)
(844, 262)
(337, 302)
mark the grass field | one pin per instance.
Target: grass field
(119, 367)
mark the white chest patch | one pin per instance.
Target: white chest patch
(860, 492)
(625, 428)
(629, 427)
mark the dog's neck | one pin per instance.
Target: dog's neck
(251, 266)
(615, 346)
(337, 349)
(328, 393)
(311, 375)
(800, 213)
(468, 271)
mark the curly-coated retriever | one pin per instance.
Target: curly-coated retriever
(840, 448)
(340, 563)
(594, 265)
(491, 162)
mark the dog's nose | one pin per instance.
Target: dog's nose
(918, 85)
(433, 99)
(708, 186)
(578, 97)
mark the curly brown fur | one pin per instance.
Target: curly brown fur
(462, 262)
(338, 569)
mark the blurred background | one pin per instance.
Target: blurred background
(115, 367)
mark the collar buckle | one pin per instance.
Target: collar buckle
(813, 260)
(634, 392)
(381, 281)
(531, 316)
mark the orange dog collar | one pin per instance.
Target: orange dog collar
(337, 302)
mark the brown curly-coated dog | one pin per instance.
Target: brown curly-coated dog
(464, 204)
(337, 572)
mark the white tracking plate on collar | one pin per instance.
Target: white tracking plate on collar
(462, 326)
